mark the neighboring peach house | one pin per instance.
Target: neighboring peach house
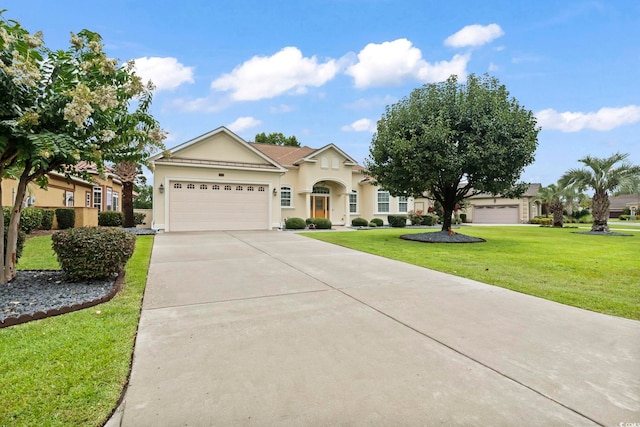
(618, 204)
(102, 194)
(488, 209)
(218, 181)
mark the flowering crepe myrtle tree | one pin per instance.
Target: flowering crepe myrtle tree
(57, 108)
(452, 141)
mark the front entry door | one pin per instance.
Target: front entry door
(319, 207)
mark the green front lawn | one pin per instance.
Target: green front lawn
(69, 370)
(599, 273)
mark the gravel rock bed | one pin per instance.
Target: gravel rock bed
(441, 237)
(41, 291)
(601, 233)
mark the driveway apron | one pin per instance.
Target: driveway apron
(272, 328)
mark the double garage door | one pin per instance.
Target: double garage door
(196, 206)
(495, 215)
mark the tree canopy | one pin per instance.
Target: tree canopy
(277, 138)
(451, 140)
(603, 175)
(58, 108)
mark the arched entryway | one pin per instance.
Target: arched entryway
(320, 202)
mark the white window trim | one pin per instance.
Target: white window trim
(289, 189)
(95, 191)
(406, 202)
(378, 211)
(357, 211)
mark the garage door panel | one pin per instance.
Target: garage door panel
(495, 215)
(199, 206)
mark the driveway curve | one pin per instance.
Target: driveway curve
(272, 328)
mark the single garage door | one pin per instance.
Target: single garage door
(495, 215)
(195, 206)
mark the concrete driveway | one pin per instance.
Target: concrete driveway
(271, 328)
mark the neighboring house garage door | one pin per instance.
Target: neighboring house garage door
(195, 206)
(495, 214)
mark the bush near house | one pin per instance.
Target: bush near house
(359, 222)
(624, 217)
(463, 217)
(30, 218)
(295, 223)
(92, 252)
(397, 220)
(429, 219)
(66, 218)
(47, 219)
(542, 220)
(110, 219)
(320, 223)
(138, 218)
(377, 222)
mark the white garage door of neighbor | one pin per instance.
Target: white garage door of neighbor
(195, 206)
(495, 214)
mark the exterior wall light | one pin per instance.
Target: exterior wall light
(161, 188)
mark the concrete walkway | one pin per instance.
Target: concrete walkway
(271, 328)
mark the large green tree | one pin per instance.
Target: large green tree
(454, 140)
(57, 108)
(553, 197)
(602, 175)
(277, 138)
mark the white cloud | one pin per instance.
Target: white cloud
(282, 108)
(243, 123)
(165, 73)
(493, 67)
(474, 35)
(362, 125)
(604, 119)
(373, 102)
(268, 76)
(391, 63)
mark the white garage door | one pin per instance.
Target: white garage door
(195, 206)
(495, 214)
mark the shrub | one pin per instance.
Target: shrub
(47, 219)
(373, 224)
(463, 217)
(110, 219)
(92, 252)
(359, 222)
(542, 220)
(429, 219)
(138, 218)
(588, 219)
(30, 218)
(624, 217)
(295, 224)
(377, 221)
(66, 218)
(415, 217)
(397, 220)
(321, 223)
(22, 236)
(308, 221)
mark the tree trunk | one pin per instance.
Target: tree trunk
(600, 212)
(127, 204)
(558, 217)
(12, 232)
(448, 205)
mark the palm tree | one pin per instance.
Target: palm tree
(552, 197)
(603, 175)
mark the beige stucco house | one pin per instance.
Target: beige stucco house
(218, 181)
(488, 209)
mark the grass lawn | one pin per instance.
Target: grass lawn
(598, 273)
(69, 370)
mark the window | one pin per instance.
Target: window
(227, 188)
(215, 187)
(403, 204)
(321, 190)
(324, 163)
(239, 188)
(285, 197)
(190, 186)
(353, 201)
(250, 188)
(260, 188)
(87, 199)
(109, 199)
(203, 186)
(97, 198)
(335, 163)
(382, 201)
(177, 185)
(116, 201)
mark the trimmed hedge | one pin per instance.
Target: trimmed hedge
(138, 218)
(295, 223)
(320, 223)
(359, 222)
(429, 219)
(66, 218)
(93, 252)
(377, 222)
(47, 219)
(463, 217)
(542, 220)
(30, 218)
(109, 219)
(397, 220)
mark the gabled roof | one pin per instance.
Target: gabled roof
(621, 201)
(293, 156)
(269, 162)
(531, 191)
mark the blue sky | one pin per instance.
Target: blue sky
(324, 70)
